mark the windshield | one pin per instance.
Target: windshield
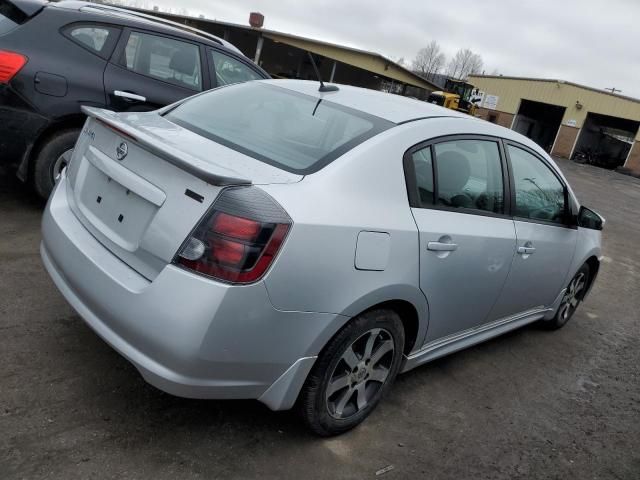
(293, 131)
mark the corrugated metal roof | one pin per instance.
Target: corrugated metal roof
(370, 61)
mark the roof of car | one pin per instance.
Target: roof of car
(138, 18)
(394, 108)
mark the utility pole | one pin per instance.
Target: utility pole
(613, 90)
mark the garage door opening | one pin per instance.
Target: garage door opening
(605, 141)
(539, 121)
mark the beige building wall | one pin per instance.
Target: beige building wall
(503, 119)
(511, 90)
(577, 99)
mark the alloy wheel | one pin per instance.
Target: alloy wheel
(572, 296)
(360, 373)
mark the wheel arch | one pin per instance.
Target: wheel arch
(73, 121)
(407, 301)
(408, 316)
(594, 268)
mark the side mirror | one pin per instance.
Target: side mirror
(587, 218)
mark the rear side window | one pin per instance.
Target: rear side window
(469, 175)
(10, 17)
(93, 38)
(296, 132)
(423, 168)
(166, 59)
(229, 70)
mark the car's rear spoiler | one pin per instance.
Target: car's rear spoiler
(28, 7)
(180, 159)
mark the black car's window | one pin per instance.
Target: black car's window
(92, 37)
(163, 58)
(10, 17)
(423, 168)
(229, 70)
(296, 132)
(539, 193)
(469, 175)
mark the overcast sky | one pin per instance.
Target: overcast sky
(596, 43)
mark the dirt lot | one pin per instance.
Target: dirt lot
(531, 404)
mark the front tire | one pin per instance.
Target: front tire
(571, 300)
(353, 373)
(50, 160)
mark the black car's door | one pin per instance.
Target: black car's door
(149, 70)
(68, 75)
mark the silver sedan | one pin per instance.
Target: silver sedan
(271, 241)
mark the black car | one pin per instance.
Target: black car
(55, 57)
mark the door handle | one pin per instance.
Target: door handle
(442, 247)
(129, 96)
(526, 250)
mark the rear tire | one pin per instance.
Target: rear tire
(573, 296)
(353, 373)
(52, 157)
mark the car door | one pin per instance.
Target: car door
(458, 190)
(80, 75)
(226, 69)
(545, 238)
(150, 70)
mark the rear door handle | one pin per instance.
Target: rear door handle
(526, 250)
(442, 247)
(129, 96)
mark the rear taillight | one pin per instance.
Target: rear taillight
(238, 238)
(10, 64)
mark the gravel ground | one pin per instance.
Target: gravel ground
(530, 404)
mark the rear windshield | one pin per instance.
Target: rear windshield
(10, 17)
(293, 131)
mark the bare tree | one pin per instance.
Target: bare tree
(429, 60)
(464, 63)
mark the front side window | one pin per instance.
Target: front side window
(296, 132)
(469, 175)
(229, 70)
(165, 59)
(539, 193)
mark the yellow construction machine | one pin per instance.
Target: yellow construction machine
(457, 95)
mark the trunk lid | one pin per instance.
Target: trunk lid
(140, 183)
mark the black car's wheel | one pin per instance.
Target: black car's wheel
(353, 373)
(571, 300)
(51, 159)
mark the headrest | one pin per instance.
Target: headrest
(183, 61)
(453, 172)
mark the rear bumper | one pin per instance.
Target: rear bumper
(187, 335)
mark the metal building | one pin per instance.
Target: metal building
(565, 118)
